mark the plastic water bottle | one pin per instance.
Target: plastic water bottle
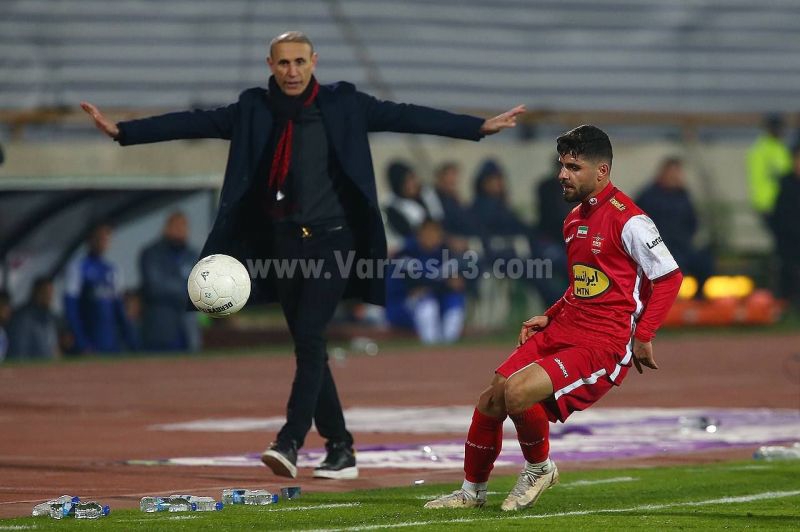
(249, 497)
(62, 510)
(91, 510)
(44, 508)
(203, 504)
(778, 452)
(166, 504)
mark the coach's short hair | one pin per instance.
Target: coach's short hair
(291, 36)
(590, 142)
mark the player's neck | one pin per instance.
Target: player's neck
(598, 191)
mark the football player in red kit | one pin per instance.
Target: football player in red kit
(622, 282)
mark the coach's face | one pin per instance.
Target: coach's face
(292, 64)
(581, 178)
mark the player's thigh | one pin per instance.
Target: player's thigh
(526, 387)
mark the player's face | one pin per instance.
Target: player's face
(292, 64)
(580, 178)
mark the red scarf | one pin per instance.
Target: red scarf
(286, 109)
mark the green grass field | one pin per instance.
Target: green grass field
(735, 496)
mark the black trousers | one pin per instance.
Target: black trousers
(309, 302)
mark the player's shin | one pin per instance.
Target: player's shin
(484, 441)
(533, 433)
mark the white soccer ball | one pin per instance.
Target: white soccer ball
(219, 285)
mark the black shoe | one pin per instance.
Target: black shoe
(340, 463)
(281, 457)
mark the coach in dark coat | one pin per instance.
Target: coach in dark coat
(299, 184)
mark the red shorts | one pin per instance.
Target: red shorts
(581, 372)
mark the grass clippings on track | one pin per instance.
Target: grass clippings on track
(737, 496)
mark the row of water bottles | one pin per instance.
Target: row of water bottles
(70, 506)
(193, 503)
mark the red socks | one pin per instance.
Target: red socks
(533, 432)
(484, 441)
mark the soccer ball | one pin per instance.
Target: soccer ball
(219, 285)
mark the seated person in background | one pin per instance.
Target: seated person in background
(456, 218)
(405, 210)
(423, 293)
(490, 206)
(787, 232)
(164, 268)
(666, 201)
(93, 300)
(33, 331)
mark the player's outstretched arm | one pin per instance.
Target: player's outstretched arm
(531, 327)
(100, 121)
(502, 121)
(643, 355)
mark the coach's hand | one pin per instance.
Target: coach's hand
(643, 355)
(531, 327)
(503, 121)
(101, 122)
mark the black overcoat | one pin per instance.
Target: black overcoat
(240, 229)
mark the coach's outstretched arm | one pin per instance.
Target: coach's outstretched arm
(199, 124)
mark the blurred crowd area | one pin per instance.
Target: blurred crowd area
(428, 218)
(689, 75)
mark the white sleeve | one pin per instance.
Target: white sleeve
(643, 243)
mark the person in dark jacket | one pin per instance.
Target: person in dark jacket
(490, 205)
(787, 232)
(667, 202)
(33, 331)
(456, 218)
(299, 184)
(405, 210)
(164, 269)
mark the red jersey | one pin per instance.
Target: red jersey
(614, 255)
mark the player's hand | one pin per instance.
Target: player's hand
(531, 327)
(101, 122)
(504, 121)
(643, 355)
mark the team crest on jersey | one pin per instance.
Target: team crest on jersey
(588, 281)
(618, 204)
(583, 231)
(597, 243)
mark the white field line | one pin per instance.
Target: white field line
(582, 483)
(17, 527)
(644, 507)
(269, 509)
(314, 507)
(568, 485)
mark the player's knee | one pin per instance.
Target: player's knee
(492, 401)
(515, 397)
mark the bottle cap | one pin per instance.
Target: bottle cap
(106, 510)
(219, 506)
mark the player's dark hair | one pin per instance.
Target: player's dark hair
(590, 142)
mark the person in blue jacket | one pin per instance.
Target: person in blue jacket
(93, 303)
(299, 184)
(424, 288)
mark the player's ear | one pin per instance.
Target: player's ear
(314, 58)
(603, 170)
